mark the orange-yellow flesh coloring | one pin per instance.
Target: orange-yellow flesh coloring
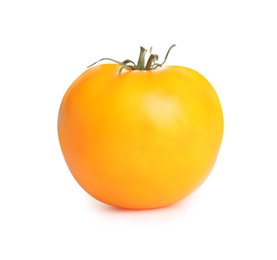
(141, 139)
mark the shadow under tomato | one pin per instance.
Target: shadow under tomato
(180, 206)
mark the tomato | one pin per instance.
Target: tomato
(140, 139)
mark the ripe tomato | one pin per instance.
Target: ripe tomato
(141, 138)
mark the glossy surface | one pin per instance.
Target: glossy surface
(142, 139)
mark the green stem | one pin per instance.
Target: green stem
(130, 65)
(141, 59)
(151, 61)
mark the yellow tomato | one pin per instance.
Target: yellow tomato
(142, 138)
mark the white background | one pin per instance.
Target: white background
(45, 45)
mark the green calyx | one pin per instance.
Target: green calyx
(151, 63)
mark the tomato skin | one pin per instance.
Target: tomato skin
(141, 139)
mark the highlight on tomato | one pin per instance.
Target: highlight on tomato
(140, 135)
